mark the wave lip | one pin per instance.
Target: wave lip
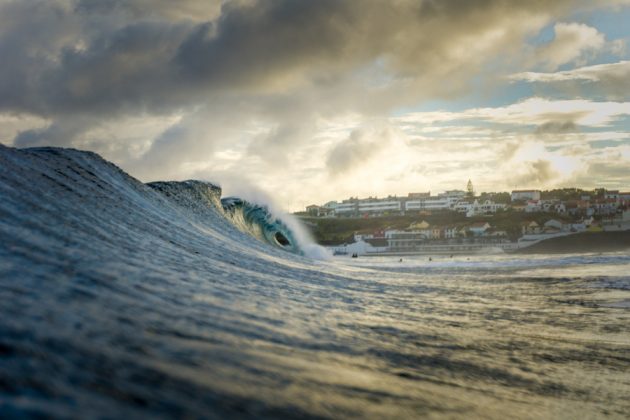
(259, 222)
(254, 219)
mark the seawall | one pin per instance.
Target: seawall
(582, 242)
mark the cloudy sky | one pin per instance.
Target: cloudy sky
(319, 100)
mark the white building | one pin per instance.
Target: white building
(432, 203)
(533, 206)
(560, 208)
(476, 208)
(379, 206)
(525, 195)
(612, 195)
(451, 232)
(457, 194)
(346, 208)
(478, 229)
(554, 224)
(406, 240)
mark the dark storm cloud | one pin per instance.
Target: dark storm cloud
(284, 63)
(104, 57)
(557, 127)
(55, 133)
(195, 10)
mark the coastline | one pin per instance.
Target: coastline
(584, 242)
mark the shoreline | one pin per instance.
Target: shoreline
(584, 242)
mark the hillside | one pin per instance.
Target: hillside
(336, 231)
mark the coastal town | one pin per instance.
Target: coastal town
(459, 221)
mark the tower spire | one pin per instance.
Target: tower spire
(470, 190)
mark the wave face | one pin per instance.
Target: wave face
(123, 299)
(256, 220)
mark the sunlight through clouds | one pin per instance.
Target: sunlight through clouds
(320, 100)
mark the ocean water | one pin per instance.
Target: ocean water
(120, 299)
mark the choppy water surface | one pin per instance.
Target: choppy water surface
(118, 299)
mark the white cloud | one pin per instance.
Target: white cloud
(532, 111)
(573, 42)
(595, 73)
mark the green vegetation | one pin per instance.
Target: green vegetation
(572, 194)
(336, 231)
(498, 197)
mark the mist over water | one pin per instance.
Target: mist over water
(120, 299)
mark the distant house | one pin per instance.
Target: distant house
(428, 233)
(533, 206)
(379, 233)
(450, 232)
(560, 208)
(400, 240)
(312, 209)
(518, 207)
(462, 206)
(605, 207)
(530, 228)
(318, 211)
(611, 195)
(478, 229)
(477, 209)
(419, 225)
(495, 233)
(578, 207)
(554, 224)
(522, 195)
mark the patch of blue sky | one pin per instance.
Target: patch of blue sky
(544, 36)
(606, 144)
(481, 95)
(621, 123)
(613, 21)
(475, 129)
(485, 91)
